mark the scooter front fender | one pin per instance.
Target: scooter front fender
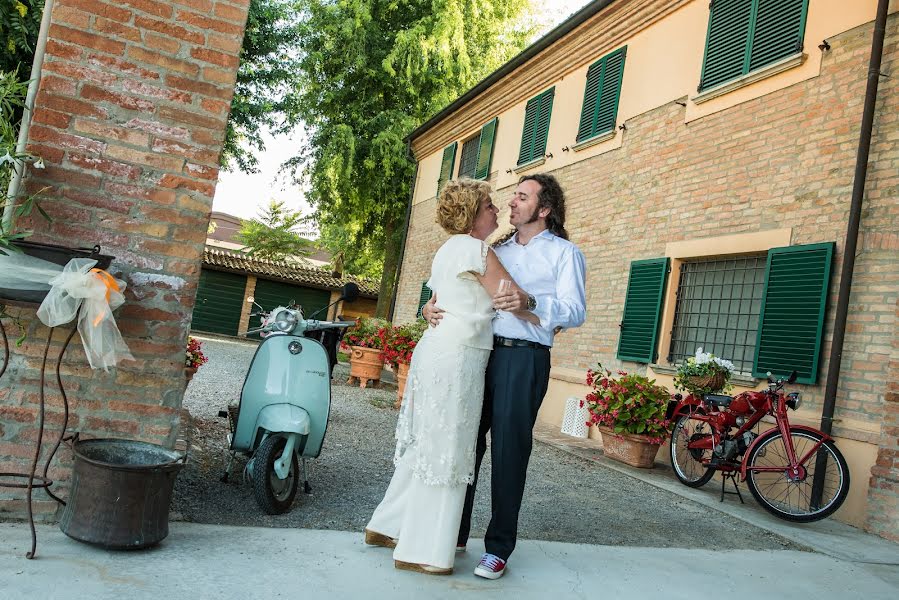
(282, 418)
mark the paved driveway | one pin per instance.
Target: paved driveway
(568, 498)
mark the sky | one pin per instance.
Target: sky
(244, 194)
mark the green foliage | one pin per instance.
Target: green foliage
(630, 403)
(370, 73)
(399, 341)
(20, 21)
(12, 99)
(263, 95)
(366, 333)
(272, 235)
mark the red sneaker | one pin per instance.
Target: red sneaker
(490, 567)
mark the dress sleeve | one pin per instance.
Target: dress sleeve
(472, 256)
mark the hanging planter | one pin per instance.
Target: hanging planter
(24, 276)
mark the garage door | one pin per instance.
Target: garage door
(220, 298)
(270, 294)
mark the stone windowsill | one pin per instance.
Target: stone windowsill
(780, 66)
(596, 139)
(530, 165)
(736, 379)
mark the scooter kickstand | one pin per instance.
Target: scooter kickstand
(306, 487)
(227, 474)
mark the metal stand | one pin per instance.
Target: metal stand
(9, 480)
(732, 475)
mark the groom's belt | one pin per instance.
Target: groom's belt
(499, 340)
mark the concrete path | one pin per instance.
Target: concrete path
(212, 561)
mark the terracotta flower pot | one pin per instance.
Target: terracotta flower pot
(189, 373)
(402, 371)
(634, 450)
(365, 365)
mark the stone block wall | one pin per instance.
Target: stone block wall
(129, 119)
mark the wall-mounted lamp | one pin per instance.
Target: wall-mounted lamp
(679, 103)
(550, 155)
(824, 46)
(509, 171)
(622, 127)
(565, 149)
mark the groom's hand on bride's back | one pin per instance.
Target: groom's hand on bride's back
(431, 313)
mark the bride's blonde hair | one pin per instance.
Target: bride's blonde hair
(458, 204)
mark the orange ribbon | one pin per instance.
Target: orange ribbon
(110, 283)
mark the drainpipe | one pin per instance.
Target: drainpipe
(19, 171)
(399, 265)
(855, 211)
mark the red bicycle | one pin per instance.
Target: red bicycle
(795, 472)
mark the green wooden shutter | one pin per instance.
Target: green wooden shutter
(726, 42)
(485, 149)
(791, 322)
(423, 298)
(446, 167)
(777, 31)
(642, 310)
(526, 149)
(542, 129)
(536, 127)
(610, 91)
(585, 128)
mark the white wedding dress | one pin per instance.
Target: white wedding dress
(441, 410)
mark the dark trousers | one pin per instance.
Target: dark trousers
(516, 382)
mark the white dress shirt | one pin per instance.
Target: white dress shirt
(553, 270)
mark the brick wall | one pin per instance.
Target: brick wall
(129, 118)
(783, 160)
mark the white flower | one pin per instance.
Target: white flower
(724, 364)
(39, 163)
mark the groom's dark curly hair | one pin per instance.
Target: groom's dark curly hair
(550, 196)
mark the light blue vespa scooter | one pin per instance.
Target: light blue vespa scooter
(283, 411)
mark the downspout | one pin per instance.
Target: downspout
(399, 264)
(855, 211)
(15, 182)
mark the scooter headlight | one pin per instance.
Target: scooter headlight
(285, 321)
(794, 400)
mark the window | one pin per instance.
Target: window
(477, 153)
(446, 166)
(601, 95)
(536, 127)
(765, 313)
(468, 164)
(746, 35)
(423, 298)
(718, 305)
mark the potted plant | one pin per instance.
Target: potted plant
(365, 341)
(703, 374)
(629, 411)
(398, 344)
(194, 357)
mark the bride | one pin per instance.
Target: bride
(438, 422)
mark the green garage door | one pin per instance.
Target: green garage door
(270, 294)
(219, 302)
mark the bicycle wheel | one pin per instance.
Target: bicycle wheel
(791, 498)
(688, 462)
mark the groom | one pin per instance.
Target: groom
(542, 261)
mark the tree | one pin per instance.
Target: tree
(273, 234)
(263, 93)
(373, 70)
(20, 21)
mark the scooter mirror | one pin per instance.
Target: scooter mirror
(350, 292)
(793, 377)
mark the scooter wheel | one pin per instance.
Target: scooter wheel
(274, 495)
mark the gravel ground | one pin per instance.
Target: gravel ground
(567, 498)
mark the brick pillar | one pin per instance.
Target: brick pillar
(129, 118)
